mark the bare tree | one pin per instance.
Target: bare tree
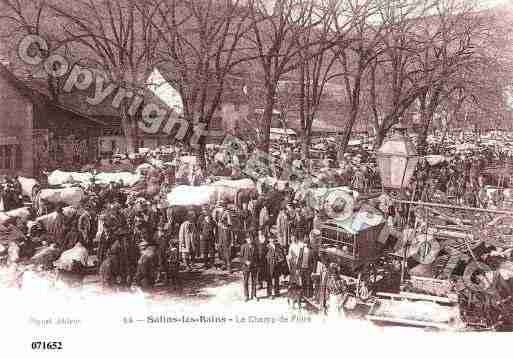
(201, 47)
(31, 17)
(455, 38)
(395, 80)
(355, 59)
(117, 38)
(278, 38)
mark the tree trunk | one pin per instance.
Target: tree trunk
(305, 144)
(355, 105)
(380, 137)
(267, 119)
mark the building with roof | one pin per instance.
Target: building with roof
(38, 134)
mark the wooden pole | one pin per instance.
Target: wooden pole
(448, 206)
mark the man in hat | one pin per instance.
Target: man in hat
(226, 240)
(186, 240)
(85, 226)
(249, 258)
(146, 266)
(109, 269)
(314, 242)
(105, 238)
(275, 264)
(264, 223)
(283, 228)
(305, 265)
(207, 239)
(300, 223)
(161, 241)
(217, 214)
(57, 228)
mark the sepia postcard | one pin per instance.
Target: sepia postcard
(298, 177)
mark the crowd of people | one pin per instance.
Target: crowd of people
(270, 235)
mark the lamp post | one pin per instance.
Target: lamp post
(397, 159)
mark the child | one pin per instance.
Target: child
(173, 257)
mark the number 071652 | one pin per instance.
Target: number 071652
(46, 345)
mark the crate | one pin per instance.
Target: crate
(431, 286)
(350, 249)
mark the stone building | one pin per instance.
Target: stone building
(38, 134)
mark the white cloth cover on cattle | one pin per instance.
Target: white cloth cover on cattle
(23, 213)
(57, 178)
(46, 255)
(193, 160)
(191, 195)
(129, 179)
(27, 185)
(337, 202)
(245, 183)
(435, 159)
(47, 220)
(225, 193)
(270, 182)
(77, 253)
(143, 168)
(221, 157)
(156, 163)
(71, 196)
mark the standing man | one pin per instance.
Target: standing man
(217, 214)
(264, 223)
(147, 266)
(207, 240)
(186, 240)
(305, 266)
(275, 262)
(249, 259)
(58, 228)
(225, 241)
(84, 226)
(283, 228)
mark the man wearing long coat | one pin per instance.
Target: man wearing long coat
(283, 228)
(225, 240)
(85, 226)
(186, 238)
(274, 262)
(57, 229)
(207, 240)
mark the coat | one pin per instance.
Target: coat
(186, 236)
(283, 228)
(58, 228)
(85, 225)
(147, 268)
(109, 270)
(207, 236)
(249, 256)
(275, 260)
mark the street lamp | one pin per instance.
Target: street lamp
(397, 159)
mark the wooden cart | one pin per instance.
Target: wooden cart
(350, 247)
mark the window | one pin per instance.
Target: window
(11, 157)
(8, 157)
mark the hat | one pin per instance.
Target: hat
(143, 244)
